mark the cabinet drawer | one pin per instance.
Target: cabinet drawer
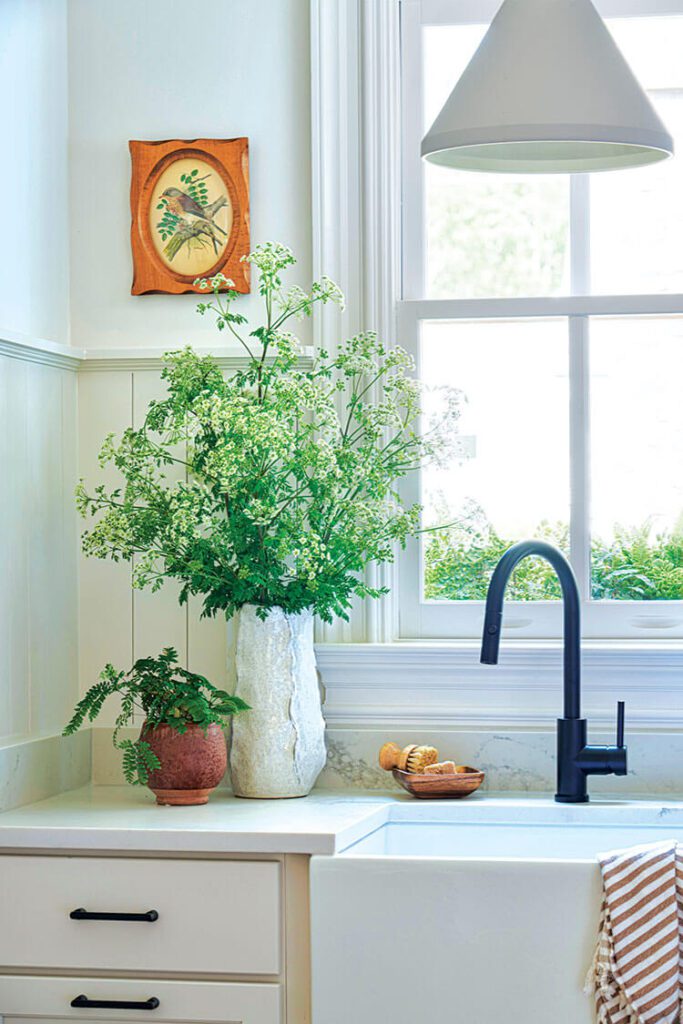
(213, 916)
(208, 1002)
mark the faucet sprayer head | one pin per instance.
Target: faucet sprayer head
(490, 641)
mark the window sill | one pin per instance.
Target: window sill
(438, 684)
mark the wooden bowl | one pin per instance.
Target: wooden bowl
(440, 787)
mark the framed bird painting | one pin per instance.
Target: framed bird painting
(190, 213)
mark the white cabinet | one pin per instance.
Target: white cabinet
(227, 942)
(211, 917)
(179, 1001)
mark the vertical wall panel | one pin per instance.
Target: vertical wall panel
(106, 600)
(53, 623)
(69, 546)
(118, 624)
(14, 594)
(38, 580)
(207, 644)
(159, 620)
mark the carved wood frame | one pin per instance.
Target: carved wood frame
(230, 160)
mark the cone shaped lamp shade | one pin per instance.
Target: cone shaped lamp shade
(548, 91)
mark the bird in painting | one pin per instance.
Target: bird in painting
(183, 205)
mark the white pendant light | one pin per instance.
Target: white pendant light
(548, 91)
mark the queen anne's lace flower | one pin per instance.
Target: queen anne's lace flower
(275, 485)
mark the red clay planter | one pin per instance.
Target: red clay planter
(192, 763)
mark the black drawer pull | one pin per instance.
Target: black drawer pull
(87, 915)
(82, 1002)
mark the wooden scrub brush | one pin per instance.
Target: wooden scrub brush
(411, 759)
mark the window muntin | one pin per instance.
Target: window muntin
(606, 236)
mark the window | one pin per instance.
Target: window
(555, 306)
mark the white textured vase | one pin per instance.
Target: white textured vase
(278, 748)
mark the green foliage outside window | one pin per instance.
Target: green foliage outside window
(500, 238)
(635, 565)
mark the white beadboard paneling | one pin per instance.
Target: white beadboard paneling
(106, 600)
(53, 627)
(116, 623)
(38, 584)
(70, 520)
(158, 620)
(207, 644)
(14, 594)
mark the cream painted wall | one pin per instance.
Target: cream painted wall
(117, 623)
(161, 69)
(135, 70)
(132, 76)
(34, 256)
(38, 444)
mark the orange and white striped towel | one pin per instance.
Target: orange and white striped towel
(637, 971)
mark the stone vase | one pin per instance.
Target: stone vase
(278, 748)
(192, 762)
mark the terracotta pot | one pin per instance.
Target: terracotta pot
(192, 763)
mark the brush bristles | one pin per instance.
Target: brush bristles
(420, 758)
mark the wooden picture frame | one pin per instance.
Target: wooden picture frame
(190, 213)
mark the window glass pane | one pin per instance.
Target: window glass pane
(637, 215)
(637, 446)
(512, 481)
(487, 234)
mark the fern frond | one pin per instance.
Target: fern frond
(139, 761)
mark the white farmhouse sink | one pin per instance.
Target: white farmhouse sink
(473, 912)
(530, 828)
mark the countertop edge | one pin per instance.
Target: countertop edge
(210, 833)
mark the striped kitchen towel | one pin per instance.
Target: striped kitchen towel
(637, 971)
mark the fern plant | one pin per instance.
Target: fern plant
(162, 693)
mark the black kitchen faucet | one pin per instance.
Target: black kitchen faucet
(576, 760)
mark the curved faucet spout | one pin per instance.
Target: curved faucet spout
(576, 760)
(572, 615)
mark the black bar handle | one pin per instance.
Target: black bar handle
(620, 723)
(82, 1003)
(87, 915)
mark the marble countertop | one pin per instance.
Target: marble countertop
(127, 819)
(124, 819)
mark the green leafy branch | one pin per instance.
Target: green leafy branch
(195, 187)
(169, 222)
(290, 488)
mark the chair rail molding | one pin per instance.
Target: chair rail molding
(228, 357)
(355, 73)
(123, 360)
(37, 350)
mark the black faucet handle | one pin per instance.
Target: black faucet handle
(621, 706)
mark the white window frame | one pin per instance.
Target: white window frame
(528, 620)
(372, 677)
